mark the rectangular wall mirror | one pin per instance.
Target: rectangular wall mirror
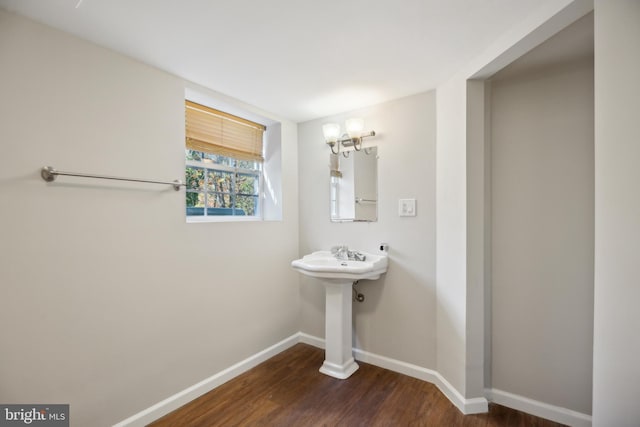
(354, 186)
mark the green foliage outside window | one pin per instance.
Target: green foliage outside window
(221, 182)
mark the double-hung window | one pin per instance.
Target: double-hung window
(223, 156)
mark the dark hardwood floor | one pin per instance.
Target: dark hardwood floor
(287, 390)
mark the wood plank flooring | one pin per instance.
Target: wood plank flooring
(287, 390)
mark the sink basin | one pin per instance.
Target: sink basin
(338, 276)
(324, 265)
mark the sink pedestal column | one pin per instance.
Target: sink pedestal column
(338, 361)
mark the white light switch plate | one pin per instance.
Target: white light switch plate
(407, 207)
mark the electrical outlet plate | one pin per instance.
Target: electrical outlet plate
(407, 207)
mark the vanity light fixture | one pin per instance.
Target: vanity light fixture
(353, 136)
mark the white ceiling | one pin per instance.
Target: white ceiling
(299, 59)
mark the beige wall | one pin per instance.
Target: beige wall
(460, 249)
(110, 301)
(542, 230)
(451, 154)
(616, 372)
(397, 319)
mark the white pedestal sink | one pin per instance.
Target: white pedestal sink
(337, 276)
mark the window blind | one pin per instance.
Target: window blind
(217, 132)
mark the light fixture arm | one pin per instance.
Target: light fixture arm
(353, 137)
(346, 141)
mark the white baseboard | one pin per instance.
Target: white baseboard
(539, 409)
(187, 395)
(466, 406)
(311, 340)
(476, 405)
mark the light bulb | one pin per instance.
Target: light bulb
(331, 132)
(354, 127)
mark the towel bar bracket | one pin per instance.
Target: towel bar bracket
(47, 175)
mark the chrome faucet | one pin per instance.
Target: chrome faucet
(342, 252)
(356, 256)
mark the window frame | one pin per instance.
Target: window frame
(235, 171)
(273, 164)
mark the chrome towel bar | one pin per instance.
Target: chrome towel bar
(361, 200)
(49, 174)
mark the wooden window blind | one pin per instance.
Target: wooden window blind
(217, 132)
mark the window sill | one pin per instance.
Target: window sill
(222, 218)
